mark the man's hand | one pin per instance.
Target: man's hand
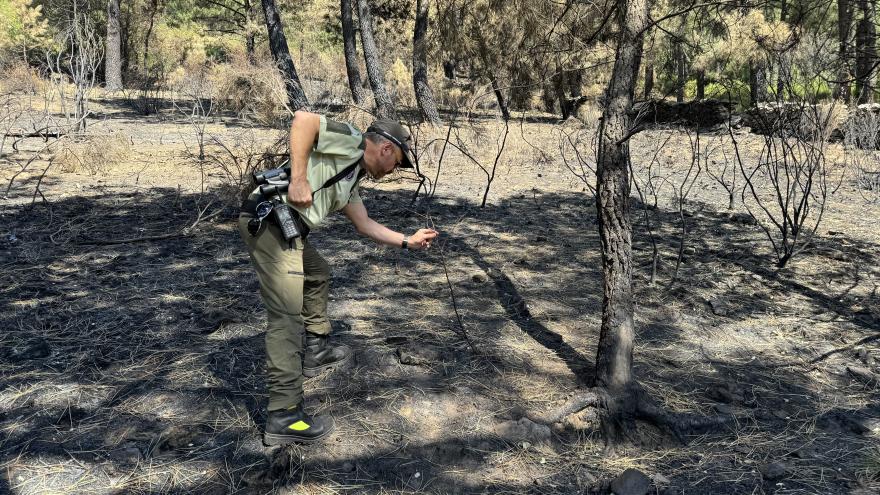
(299, 193)
(422, 239)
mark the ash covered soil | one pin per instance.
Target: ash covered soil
(132, 365)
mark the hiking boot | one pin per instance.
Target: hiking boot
(295, 426)
(320, 355)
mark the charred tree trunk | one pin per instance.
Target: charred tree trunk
(844, 29)
(424, 96)
(781, 71)
(866, 51)
(384, 104)
(680, 71)
(113, 51)
(502, 105)
(615, 350)
(250, 37)
(296, 97)
(153, 11)
(349, 43)
(701, 84)
(758, 82)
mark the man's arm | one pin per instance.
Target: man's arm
(303, 135)
(357, 213)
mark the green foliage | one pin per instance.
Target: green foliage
(23, 30)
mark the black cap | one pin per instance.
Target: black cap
(397, 134)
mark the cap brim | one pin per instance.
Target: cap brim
(407, 160)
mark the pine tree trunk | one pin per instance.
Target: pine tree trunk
(844, 28)
(250, 42)
(349, 43)
(680, 72)
(384, 104)
(781, 74)
(866, 51)
(615, 350)
(424, 96)
(502, 105)
(296, 97)
(113, 55)
(701, 84)
(758, 82)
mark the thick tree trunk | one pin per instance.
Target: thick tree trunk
(384, 104)
(424, 96)
(844, 29)
(349, 43)
(296, 97)
(113, 54)
(615, 350)
(866, 51)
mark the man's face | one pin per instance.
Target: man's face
(390, 157)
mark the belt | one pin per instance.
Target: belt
(250, 207)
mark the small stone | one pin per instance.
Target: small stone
(723, 409)
(773, 471)
(479, 277)
(863, 375)
(631, 482)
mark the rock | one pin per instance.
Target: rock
(524, 430)
(480, 277)
(773, 471)
(418, 357)
(660, 480)
(631, 482)
(33, 349)
(719, 307)
(127, 454)
(723, 409)
(863, 375)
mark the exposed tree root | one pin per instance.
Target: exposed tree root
(618, 413)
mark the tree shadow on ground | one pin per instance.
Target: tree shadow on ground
(138, 366)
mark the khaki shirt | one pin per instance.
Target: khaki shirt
(339, 145)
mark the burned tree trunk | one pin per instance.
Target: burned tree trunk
(296, 97)
(614, 356)
(844, 27)
(384, 104)
(616, 394)
(349, 43)
(866, 51)
(424, 96)
(113, 51)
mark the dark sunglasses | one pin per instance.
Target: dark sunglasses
(262, 211)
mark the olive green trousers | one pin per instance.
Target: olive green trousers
(294, 283)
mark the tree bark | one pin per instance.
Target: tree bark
(758, 82)
(424, 96)
(384, 105)
(615, 350)
(250, 36)
(296, 97)
(844, 29)
(781, 71)
(701, 84)
(349, 43)
(680, 71)
(866, 51)
(502, 105)
(113, 50)
(153, 12)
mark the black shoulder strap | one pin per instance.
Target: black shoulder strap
(338, 177)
